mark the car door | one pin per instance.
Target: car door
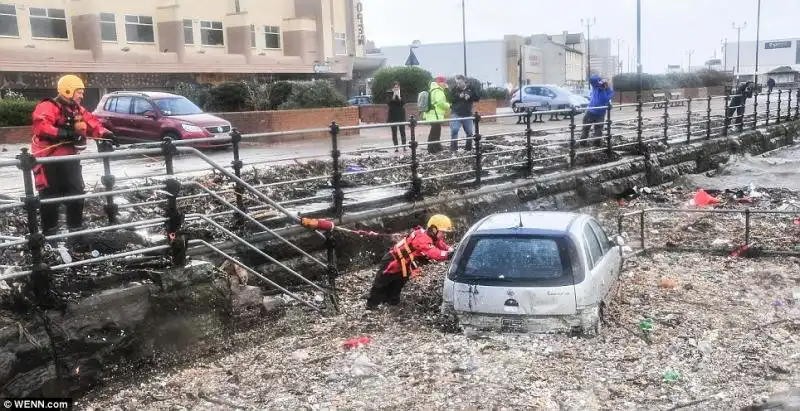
(604, 270)
(612, 253)
(514, 275)
(144, 120)
(119, 116)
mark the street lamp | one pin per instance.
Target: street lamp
(589, 23)
(689, 67)
(639, 53)
(619, 59)
(724, 43)
(738, 29)
(758, 33)
(464, 34)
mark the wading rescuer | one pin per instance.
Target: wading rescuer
(60, 128)
(404, 259)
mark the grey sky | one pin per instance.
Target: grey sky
(669, 27)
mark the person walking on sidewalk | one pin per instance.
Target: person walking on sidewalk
(602, 93)
(461, 98)
(397, 114)
(437, 110)
(737, 104)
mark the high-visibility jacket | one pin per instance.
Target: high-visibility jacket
(48, 117)
(417, 248)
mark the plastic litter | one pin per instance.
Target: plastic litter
(353, 167)
(646, 325)
(356, 342)
(702, 199)
(671, 376)
(64, 254)
(95, 254)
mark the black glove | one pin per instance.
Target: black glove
(104, 146)
(68, 135)
(112, 137)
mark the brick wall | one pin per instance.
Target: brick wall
(378, 113)
(253, 122)
(15, 135)
(287, 120)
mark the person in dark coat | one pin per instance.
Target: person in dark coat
(397, 114)
(737, 104)
(770, 85)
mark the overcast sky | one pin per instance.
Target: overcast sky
(669, 27)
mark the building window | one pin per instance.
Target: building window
(340, 44)
(139, 29)
(272, 37)
(253, 35)
(188, 31)
(8, 21)
(48, 23)
(108, 27)
(211, 33)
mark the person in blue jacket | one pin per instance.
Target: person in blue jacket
(602, 93)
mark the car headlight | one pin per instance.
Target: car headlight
(191, 128)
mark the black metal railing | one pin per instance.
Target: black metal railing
(337, 188)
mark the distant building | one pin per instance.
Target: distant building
(563, 64)
(772, 54)
(674, 68)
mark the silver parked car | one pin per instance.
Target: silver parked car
(536, 272)
(548, 96)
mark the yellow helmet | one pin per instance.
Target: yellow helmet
(68, 84)
(441, 221)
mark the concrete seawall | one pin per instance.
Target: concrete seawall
(182, 312)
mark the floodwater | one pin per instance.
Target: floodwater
(776, 169)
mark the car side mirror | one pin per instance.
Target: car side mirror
(150, 114)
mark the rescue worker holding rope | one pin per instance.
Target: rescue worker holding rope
(404, 259)
(61, 127)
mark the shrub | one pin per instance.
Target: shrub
(497, 93)
(229, 96)
(412, 81)
(314, 94)
(702, 78)
(196, 93)
(279, 93)
(16, 112)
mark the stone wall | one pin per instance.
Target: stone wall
(626, 97)
(252, 122)
(378, 113)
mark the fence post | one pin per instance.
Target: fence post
(415, 193)
(641, 229)
(755, 109)
(237, 164)
(332, 270)
(336, 176)
(609, 143)
(747, 226)
(727, 120)
(789, 105)
(665, 116)
(40, 278)
(572, 138)
(708, 118)
(778, 116)
(639, 106)
(528, 144)
(766, 117)
(689, 120)
(478, 149)
(108, 181)
(175, 218)
(797, 105)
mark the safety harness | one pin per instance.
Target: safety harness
(403, 253)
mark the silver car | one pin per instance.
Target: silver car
(540, 272)
(548, 96)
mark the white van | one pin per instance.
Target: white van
(536, 272)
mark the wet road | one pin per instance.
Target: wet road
(281, 152)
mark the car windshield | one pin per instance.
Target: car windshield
(515, 257)
(177, 106)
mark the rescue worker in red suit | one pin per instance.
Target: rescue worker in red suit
(60, 128)
(404, 259)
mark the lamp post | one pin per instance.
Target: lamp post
(758, 34)
(689, 66)
(589, 23)
(639, 51)
(619, 60)
(724, 54)
(738, 29)
(464, 34)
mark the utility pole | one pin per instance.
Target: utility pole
(619, 60)
(589, 23)
(639, 51)
(237, 6)
(464, 34)
(758, 34)
(725, 54)
(689, 67)
(521, 49)
(738, 29)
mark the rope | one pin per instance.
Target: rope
(54, 146)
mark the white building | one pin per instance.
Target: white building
(771, 55)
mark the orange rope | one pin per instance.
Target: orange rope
(54, 146)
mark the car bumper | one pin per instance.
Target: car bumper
(584, 320)
(195, 136)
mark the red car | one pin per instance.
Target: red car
(150, 116)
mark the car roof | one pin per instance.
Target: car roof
(553, 221)
(151, 94)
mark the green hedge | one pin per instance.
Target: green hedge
(699, 79)
(412, 81)
(16, 112)
(249, 96)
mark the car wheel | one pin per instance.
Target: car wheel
(172, 136)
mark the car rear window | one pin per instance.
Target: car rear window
(517, 258)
